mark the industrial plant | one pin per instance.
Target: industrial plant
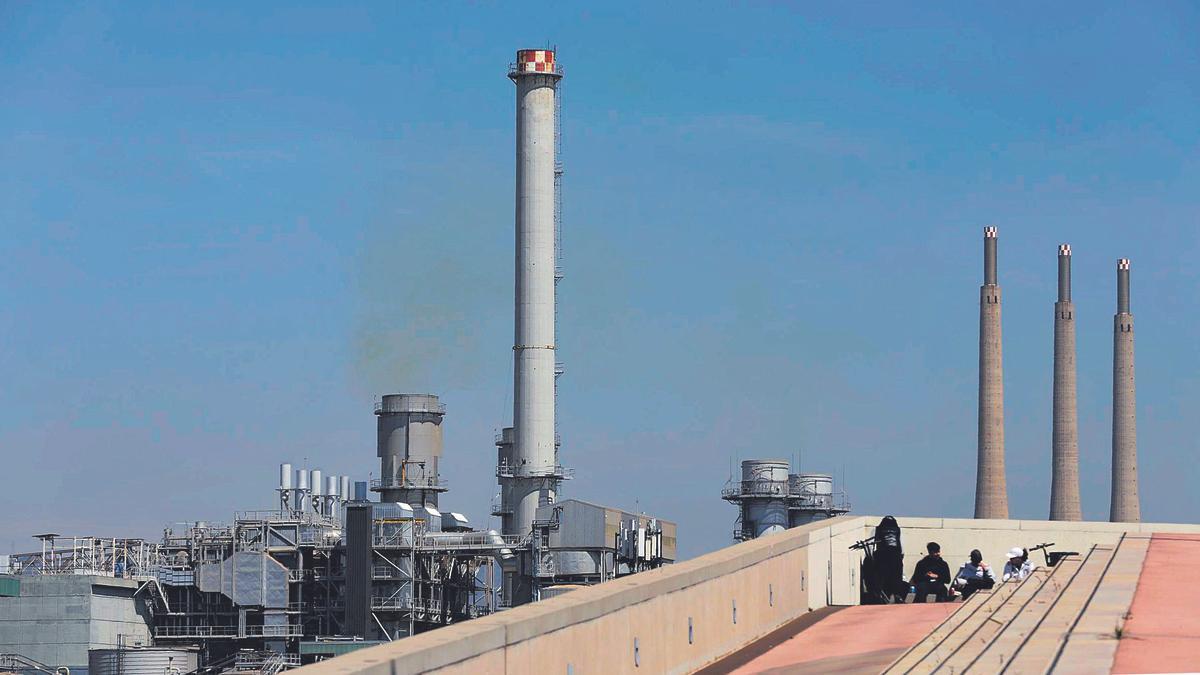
(338, 564)
(335, 564)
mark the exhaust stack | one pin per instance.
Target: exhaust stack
(1125, 507)
(1064, 485)
(533, 475)
(991, 491)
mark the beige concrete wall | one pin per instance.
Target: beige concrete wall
(772, 580)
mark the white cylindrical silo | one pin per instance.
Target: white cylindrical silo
(302, 479)
(318, 488)
(536, 76)
(344, 489)
(332, 485)
(285, 476)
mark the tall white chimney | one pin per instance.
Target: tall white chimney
(533, 476)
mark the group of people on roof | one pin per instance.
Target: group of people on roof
(932, 574)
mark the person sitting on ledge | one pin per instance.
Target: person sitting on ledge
(1018, 566)
(931, 576)
(975, 575)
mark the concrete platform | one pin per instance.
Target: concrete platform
(862, 639)
(1162, 633)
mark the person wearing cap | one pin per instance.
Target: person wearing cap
(975, 575)
(1018, 566)
(931, 576)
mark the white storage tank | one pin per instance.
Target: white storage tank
(142, 661)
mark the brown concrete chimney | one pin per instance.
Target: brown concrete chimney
(1125, 507)
(1064, 484)
(991, 492)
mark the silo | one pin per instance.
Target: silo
(764, 491)
(142, 661)
(409, 448)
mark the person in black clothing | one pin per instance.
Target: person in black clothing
(932, 575)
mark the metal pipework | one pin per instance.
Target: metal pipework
(285, 487)
(991, 491)
(1125, 506)
(1064, 484)
(318, 491)
(1123, 286)
(989, 255)
(536, 75)
(1064, 273)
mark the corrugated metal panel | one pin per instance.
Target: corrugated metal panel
(150, 661)
(358, 568)
(10, 587)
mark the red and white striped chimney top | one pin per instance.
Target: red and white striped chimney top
(535, 61)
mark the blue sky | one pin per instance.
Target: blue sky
(227, 227)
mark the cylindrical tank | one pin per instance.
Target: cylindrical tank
(811, 489)
(285, 476)
(142, 661)
(765, 486)
(344, 489)
(302, 479)
(409, 445)
(333, 485)
(318, 488)
(765, 476)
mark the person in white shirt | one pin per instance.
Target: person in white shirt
(975, 575)
(1018, 566)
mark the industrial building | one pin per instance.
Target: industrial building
(327, 569)
(770, 498)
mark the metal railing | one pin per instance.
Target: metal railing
(506, 470)
(471, 541)
(287, 631)
(515, 69)
(386, 572)
(437, 484)
(438, 409)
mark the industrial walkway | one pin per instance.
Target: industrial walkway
(1162, 634)
(861, 639)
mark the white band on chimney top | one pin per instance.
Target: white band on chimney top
(989, 231)
(1064, 249)
(1123, 263)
